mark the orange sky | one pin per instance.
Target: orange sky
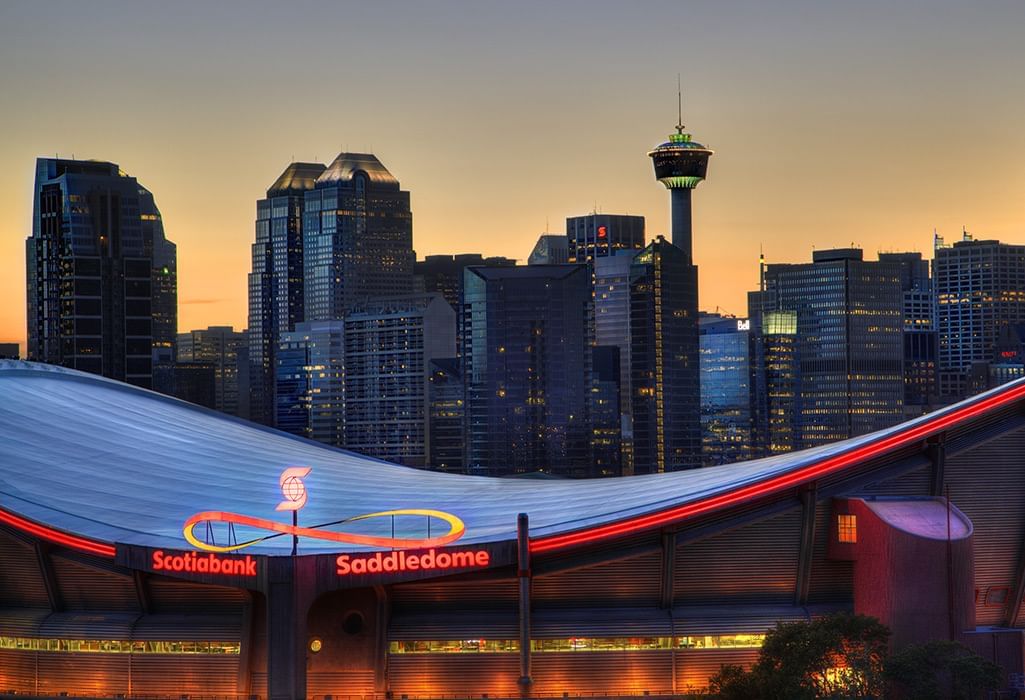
(831, 125)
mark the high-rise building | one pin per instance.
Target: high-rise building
(447, 414)
(276, 289)
(357, 237)
(611, 277)
(218, 346)
(444, 273)
(727, 424)
(601, 235)
(980, 291)
(526, 351)
(310, 391)
(850, 317)
(102, 279)
(389, 345)
(9, 351)
(550, 249)
(774, 378)
(194, 382)
(664, 361)
(606, 412)
(921, 392)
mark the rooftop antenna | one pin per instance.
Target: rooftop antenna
(679, 105)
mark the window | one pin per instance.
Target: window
(847, 528)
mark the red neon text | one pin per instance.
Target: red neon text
(401, 561)
(204, 564)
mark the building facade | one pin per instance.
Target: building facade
(550, 249)
(664, 360)
(444, 273)
(850, 344)
(526, 335)
(357, 237)
(101, 276)
(220, 347)
(276, 282)
(390, 343)
(446, 403)
(310, 382)
(601, 235)
(980, 291)
(727, 421)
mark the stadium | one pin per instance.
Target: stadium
(152, 547)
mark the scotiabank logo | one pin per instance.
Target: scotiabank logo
(430, 560)
(193, 562)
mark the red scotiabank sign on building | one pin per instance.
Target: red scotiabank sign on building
(431, 560)
(196, 563)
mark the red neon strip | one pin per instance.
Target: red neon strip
(43, 532)
(773, 484)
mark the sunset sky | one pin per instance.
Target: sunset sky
(869, 123)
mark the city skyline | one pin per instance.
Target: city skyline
(831, 126)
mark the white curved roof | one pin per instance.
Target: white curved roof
(107, 461)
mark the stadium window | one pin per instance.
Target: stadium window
(847, 528)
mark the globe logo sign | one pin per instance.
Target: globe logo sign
(293, 488)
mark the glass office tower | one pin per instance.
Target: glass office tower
(850, 317)
(102, 278)
(664, 360)
(726, 417)
(310, 382)
(526, 348)
(221, 347)
(276, 287)
(357, 237)
(600, 235)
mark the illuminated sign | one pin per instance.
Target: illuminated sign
(294, 492)
(204, 564)
(602, 233)
(1008, 353)
(430, 560)
(743, 324)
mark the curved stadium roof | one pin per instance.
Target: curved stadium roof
(113, 463)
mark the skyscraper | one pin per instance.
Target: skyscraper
(102, 290)
(446, 403)
(774, 379)
(980, 291)
(664, 360)
(444, 273)
(389, 345)
(601, 235)
(526, 350)
(310, 382)
(921, 391)
(726, 416)
(218, 346)
(550, 249)
(276, 289)
(850, 317)
(357, 237)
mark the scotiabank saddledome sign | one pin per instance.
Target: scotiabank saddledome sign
(295, 496)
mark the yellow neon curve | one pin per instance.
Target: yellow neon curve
(456, 530)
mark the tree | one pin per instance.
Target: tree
(941, 669)
(838, 656)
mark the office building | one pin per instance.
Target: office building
(773, 377)
(850, 347)
(550, 249)
(102, 279)
(357, 237)
(196, 382)
(727, 425)
(601, 235)
(444, 273)
(218, 346)
(640, 585)
(445, 402)
(526, 350)
(980, 291)
(276, 289)
(389, 345)
(606, 412)
(664, 360)
(310, 382)
(921, 342)
(9, 351)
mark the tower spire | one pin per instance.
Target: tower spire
(679, 106)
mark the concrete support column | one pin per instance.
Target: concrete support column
(523, 549)
(286, 631)
(682, 236)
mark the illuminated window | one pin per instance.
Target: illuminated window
(118, 646)
(847, 528)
